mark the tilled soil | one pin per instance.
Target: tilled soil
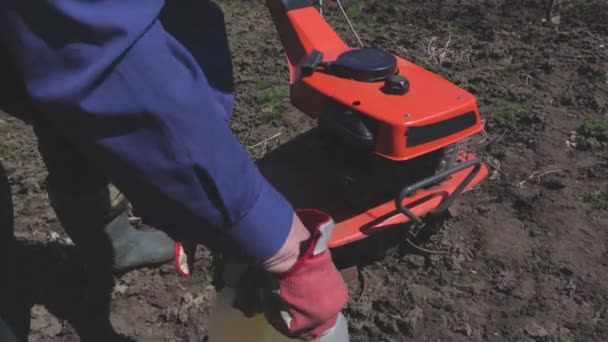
(527, 252)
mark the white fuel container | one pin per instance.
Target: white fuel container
(228, 324)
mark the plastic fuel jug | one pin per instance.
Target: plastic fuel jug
(228, 324)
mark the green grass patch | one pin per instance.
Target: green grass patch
(452, 28)
(507, 113)
(263, 36)
(271, 99)
(240, 9)
(236, 41)
(252, 38)
(597, 198)
(502, 68)
(424, 64)
(466, 85)
(596, 128)
(204, 277)
(8, 151)
(41, 177)
(393, 9)
(267, 34)
(355, 9)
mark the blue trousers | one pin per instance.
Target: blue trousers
(143, 92)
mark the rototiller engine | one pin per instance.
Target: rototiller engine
(387, 150)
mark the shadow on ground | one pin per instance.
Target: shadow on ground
(49, 275)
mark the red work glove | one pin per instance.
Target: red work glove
(305, 301)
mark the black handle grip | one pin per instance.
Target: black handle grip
(311, 63)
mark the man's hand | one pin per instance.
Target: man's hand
(305, 301)
(299, 290)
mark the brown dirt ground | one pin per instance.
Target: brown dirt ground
(528, 254)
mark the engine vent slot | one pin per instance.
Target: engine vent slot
(420, 135)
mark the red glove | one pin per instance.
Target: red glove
(305, 301)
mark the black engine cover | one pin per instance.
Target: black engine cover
(353, 129)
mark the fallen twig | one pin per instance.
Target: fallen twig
(492, 141)
(444, 53)
(264, 141)
(495, 165)
(501, 136)
(583, 163)
(528, 78)
(486, 137)
(538, 174)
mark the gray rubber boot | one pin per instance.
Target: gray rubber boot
(98, 224)
(135, 248)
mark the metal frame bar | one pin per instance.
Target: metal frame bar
(410, 190)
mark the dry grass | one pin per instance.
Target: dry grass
(445, 51)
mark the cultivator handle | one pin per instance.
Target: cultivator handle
(410, 190)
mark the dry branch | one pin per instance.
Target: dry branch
(265, 141)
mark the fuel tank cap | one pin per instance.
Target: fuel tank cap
(365, 64)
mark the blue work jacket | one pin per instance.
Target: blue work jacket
(144, 90)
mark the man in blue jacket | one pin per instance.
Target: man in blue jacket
(139, 93)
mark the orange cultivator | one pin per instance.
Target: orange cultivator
(387, 150)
